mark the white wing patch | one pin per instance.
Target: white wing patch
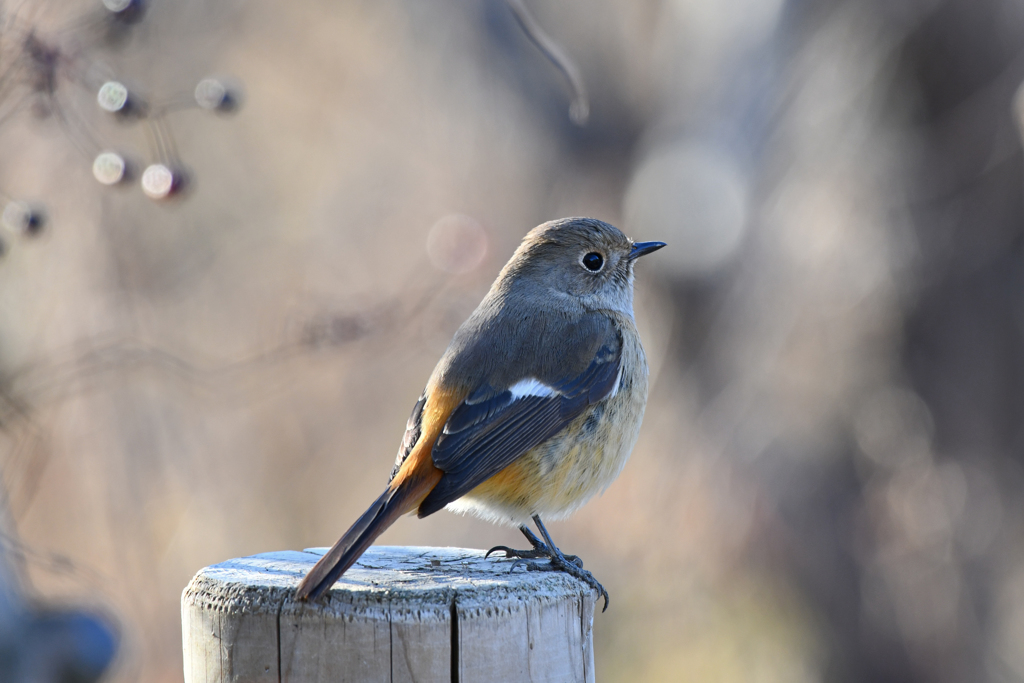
(530, 387)
(618, 381)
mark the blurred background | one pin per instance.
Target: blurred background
(828, 485)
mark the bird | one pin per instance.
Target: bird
(534, 407)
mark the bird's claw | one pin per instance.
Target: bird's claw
(512, 552)
(573, 567)
(503, 548)
(530, 566)
(537, 553)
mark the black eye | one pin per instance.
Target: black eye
(593, 261)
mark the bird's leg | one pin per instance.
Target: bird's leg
(570, 564)
(548, 551)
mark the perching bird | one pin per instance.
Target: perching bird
(534, 407)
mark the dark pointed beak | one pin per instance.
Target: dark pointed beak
(643, 248)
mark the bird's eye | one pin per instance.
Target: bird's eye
(593, 261)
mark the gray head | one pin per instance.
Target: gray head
(582, 261)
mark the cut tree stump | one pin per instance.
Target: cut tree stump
(399, 614)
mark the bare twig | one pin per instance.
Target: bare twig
(579, 108)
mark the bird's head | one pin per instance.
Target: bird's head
(583, 261)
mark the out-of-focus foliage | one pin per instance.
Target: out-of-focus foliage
(828, 482)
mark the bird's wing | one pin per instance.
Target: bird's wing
(413, 431)
(492, 427)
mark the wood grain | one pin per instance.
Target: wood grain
(400, 614)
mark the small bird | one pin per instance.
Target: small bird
(534, 407)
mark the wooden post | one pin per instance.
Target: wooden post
(400, 614)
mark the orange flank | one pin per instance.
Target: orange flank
(518, 482)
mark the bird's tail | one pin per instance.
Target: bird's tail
(402, 496)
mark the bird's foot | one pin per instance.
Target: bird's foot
(570, 564)
(562, 563)
(537, 552)
(540, 549)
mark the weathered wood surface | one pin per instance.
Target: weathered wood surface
(400, 614)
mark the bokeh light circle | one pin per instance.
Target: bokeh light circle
(694, 197)
(17, 216)
(117, 5)
(23, 219)
(109, 168)
(113, 96)
(158, 181)
(457, 243)
(210, 94)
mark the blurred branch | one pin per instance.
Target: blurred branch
(579, 108)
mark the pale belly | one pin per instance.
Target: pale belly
(554, 479)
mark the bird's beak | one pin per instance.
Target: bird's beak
(643, 248)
